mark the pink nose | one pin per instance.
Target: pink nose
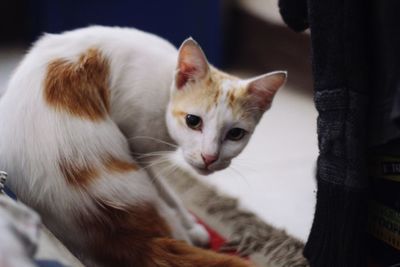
(209, 159)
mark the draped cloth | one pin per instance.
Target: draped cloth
(341, 62)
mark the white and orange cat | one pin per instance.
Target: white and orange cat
(73, 116)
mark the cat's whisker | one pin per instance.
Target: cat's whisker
(150, 164)
(153, 139)
(151, 159)
(174, 167)
(164, 172)
(169, 167)
(244, 165)
(247, 168)
(156, 162)
(234, 170)
(253, 109)
(153, 154)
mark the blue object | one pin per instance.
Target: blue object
(175, 20)
(10, 193)
(48, 263)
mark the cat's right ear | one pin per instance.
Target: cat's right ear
(262, 89)
(192, 63)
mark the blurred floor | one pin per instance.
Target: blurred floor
(274, 176)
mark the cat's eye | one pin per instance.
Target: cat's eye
(235, 134)
(193, 121)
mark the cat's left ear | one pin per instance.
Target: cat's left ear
(262, 89)
(192, 63)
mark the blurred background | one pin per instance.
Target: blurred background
(274, 176)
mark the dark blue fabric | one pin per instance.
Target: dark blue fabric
(342, 62)
(174, 20)
(10, 193)
(47, 263)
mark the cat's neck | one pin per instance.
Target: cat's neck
(143, 122)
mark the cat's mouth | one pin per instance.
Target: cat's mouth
(201, 169)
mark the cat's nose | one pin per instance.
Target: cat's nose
(209, 159)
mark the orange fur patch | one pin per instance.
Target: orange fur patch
(231, 98)
(120, 236)
(117, 165)
(207, 94)
(201, 93)
(77, 174)
(179, 115)
(139, 237)
(216, 96)
(172, 253)
(239, 102)
(82, 173)
(79, 88)
(209, 81)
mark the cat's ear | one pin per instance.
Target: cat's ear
(262, 89)
(192, 63)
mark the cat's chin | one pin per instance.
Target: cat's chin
(203, 171)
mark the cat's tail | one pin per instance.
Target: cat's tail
(167, 252)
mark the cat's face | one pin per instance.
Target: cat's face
(212, 115)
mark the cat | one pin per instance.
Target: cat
(83, 104)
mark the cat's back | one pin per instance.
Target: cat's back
(121, 47)
(112, 41)
(132, 58)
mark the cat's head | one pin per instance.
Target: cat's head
(212, 115)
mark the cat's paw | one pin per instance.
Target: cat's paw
(199, 235)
